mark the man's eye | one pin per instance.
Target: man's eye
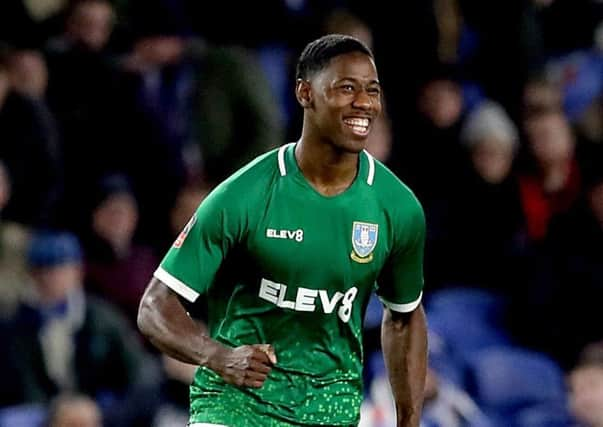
(347, 88)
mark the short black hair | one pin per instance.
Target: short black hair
(317, 54)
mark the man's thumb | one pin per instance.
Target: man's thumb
(269, 351)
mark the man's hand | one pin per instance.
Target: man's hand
(244, 366)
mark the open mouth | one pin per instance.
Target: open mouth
(360, 126)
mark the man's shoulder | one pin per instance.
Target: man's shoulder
(249, 182)
(257, 172)
(391, 189)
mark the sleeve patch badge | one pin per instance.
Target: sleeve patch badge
(182, 236)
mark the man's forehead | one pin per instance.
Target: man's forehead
(353, 66)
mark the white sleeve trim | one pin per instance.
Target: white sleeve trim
(176, 285)
(403, 308)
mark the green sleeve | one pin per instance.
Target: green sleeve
(190, 265)
(400, 284)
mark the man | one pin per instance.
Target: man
(287, 251)
(62, 340)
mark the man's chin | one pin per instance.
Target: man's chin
(354, 144)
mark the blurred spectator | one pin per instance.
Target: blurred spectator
(62, 340)
(479, 242)
(445, 405)
(89, 24)
(174, 408)
(85, 93)
(187, 201)
(492, 140)
(117, 268)
(342, 21)
(571, 277)
(586, 386)
(234, 111)
(433, 138)
(502, 33)
(540, 96)
(29, 138)
(29, 75)
(73, 410)
(160, 87)
(202, 110)
(429, 157)
(551, 184)
(580, 77)
(13, 245)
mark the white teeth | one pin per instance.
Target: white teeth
(360, 129)
(357, 122)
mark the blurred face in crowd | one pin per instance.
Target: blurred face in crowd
(186, 204)
(595, 200)
(77, 413)
(28, 73)
(159, 50)
(492, 159)
(586, 395)
(56, 282)
(91, 23)
(115, 220)
(441, 102)
(540, 96)
(343, 101)
(550, 138)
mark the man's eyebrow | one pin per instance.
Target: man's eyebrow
(352, 79)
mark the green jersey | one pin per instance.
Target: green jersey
(280, 263)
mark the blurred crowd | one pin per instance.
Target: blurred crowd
(118, 116)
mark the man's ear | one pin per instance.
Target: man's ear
(303, 93)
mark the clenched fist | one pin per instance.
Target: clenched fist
(244, 366)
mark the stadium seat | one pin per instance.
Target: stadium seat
(373, 313)
(508, 380)
(544, 416)
(23, 416)
(444, 361)
(471, 301)
(467, 319)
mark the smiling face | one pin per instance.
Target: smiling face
(342, 101)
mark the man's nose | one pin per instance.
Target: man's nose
(363, 100)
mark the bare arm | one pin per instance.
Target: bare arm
(404, 343)
(165, 322)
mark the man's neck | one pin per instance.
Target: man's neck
(328, 170)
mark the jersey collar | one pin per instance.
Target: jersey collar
(287, 163)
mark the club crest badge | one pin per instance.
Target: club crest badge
(180, 240)
(364, 240)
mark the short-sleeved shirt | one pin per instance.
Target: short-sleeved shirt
(282, 264)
